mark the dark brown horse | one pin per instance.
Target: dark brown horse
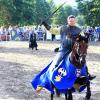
(78, 59)
(69, 76)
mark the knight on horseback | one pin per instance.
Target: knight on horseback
(68, 34)
(68, 70)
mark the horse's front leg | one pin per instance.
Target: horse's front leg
(66, 96)
(70, 97)
(88, 94)
(52, 96)
(52, 93)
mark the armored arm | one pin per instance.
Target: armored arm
(47, 26)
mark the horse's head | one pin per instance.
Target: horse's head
(79, 51)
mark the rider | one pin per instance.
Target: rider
(68, 34)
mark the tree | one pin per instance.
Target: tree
(16, 12)
(23, 12)
(80, 20)
(53, 8)
(91, 11)
(42, 11)
(62, 14)
(4, 12)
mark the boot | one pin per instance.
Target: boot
(91, 77)
(36, 48)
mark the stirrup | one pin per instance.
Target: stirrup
(39, 88)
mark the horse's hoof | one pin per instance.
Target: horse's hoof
(39, 88)
(87, 98)
(70, 98)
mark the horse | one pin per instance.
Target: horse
(78, 59)
(69, 76)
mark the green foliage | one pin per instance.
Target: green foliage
(16, 12)
(33, 12)
(4, 13)
(80, 20)
(22, 12)
(63, 13)
(42, 11)
(91, 11)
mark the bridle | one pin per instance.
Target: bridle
(79, 52)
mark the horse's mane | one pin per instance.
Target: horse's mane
(81, 38)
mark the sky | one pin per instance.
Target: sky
(69, 2)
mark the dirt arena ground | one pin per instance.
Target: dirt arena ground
(19, 65)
